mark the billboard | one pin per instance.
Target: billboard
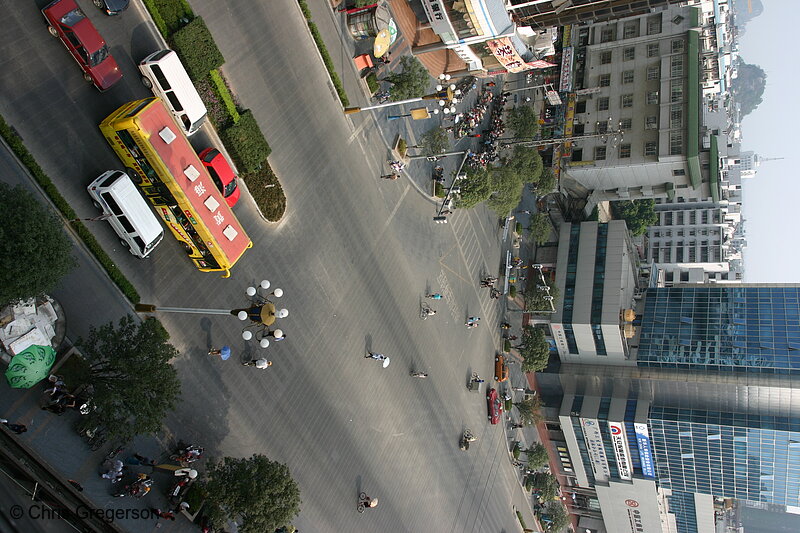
(645, 450)
(620, 444)
(565, 85)
(507, 55)
(597, 451)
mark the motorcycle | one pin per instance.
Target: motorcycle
(466, 438)
(187, 454)
(419, 374)
(137, 489)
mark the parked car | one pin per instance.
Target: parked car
(500, 368)
(112, 7)
(67, 22)
(495, 406)
(222, 174)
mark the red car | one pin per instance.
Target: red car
(222, 174)
(67, 22)
(495, 406)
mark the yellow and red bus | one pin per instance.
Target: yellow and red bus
(166, 168)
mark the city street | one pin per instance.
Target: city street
(354, 255)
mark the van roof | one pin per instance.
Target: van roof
(179, 80)
(138, 212)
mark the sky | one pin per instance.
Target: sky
(771, 197)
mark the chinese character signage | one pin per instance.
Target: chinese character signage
(566, 71)
(435, 11)
(620, 444)
(645, 450)
(596, 449)
(505, 53)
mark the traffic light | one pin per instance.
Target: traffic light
(440, 220)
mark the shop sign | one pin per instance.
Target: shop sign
(645, 450)
(507, 55)
(620, 444)
(541, 63)
(565, 82)
(596, 449)
(435, 11)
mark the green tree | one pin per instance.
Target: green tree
(522, 120)
(34, 251)
(536, 297)
(545, 485)
(637, 214)
(526, 163)
(540, 228)
(434, 141)
(411, 82)
(134, 383)
(530, 410)
(558, 516)
(536, 456)
(547, 182)
(260, 493)
(507, 190)
(534, 349)
(474, 189)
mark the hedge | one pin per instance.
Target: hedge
(246, 143)
(27, 159)
(372, 83)
(169, 15)
(224, 94)
(197, 49)
(326, 58)
(267, 192)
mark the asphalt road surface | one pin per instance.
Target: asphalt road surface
(354, 255)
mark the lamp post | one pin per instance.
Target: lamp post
(445, 96)
(261, 312)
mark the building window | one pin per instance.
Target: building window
(654, 24)
(654, 72)
(577, 154)
(676, 91)
(626, 124)
(607, 34)
(602, 104)
(676, 143)
(605, 80)
(627, 76)
(602, 127)
(652, 50)
(676, 66)
(652, 97)
(624, 151)
(605, 57)
(626, 100)
(651, 148)
(677, 46)
(599, 153)
(580, 107)
(678, 172)
(676, 116)
(651, 123)
(629, 54)
(630, 29)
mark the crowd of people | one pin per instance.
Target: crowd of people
(466, 123)
(487, 150)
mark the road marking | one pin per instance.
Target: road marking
(357, 131)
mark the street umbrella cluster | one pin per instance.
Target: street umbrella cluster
(30, 366)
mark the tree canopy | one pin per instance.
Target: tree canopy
(259, 492)
(540, 228)
(522, 120)
(557, 515)
(535, 297)
(34, 251)
(535, 349)
(638, 214)
(529, 410)
(536, 456)
(476, 188)
(434, 141)
(547, 182)
(411, 82)
(545, 485)
(135, 385)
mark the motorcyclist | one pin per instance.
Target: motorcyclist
(376, 356)
(434, 296)
(419, 374)
(397, 166)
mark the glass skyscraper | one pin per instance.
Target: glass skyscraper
(748, 329)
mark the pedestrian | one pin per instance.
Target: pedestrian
(183, 507)
(75, 484)
(491, 84)
(526, 212)
(261, 363)
(512, 337)
(224, 353)
(473, 319)
(137, 459)
(162, 514)
(281, 338)
(16, 428)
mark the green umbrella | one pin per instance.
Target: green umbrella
(30, 366)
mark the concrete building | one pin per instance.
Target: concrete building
(703, 405)
(644, 73)
(596, 274)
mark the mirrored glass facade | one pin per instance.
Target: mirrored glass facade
(737, 455)
(754, 329)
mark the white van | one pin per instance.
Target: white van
(163, 72)
(122, 205)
